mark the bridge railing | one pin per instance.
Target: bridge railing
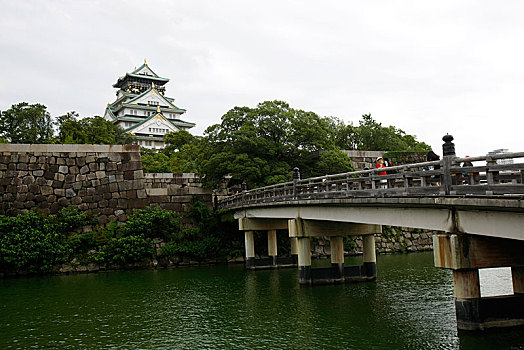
(499, 174)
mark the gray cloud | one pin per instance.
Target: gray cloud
(427, 68)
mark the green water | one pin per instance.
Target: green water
(410, 306)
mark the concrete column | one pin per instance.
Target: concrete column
(304, 260)
(272, 245)
(370, 258)
(467, 298)
(517, 275)
(294, 250)
(337, 256)
(250, 249)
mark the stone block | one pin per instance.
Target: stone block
(59, 192)
(138, 203)
(157, 191)
(70, 193)
(100, 174)
(80, 161)
(64, 202)
(70, 178)
(28, 180)
(122, 203)
(84, 169)
(64, 169)
(93, 166)
(113, 187)
(46, 190)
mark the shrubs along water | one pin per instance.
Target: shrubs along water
(33, 242)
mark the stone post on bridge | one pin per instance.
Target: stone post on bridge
(250, 249)
(370, 257)
(337, 257)
(272, 246)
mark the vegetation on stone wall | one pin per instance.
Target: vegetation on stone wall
(33, 242)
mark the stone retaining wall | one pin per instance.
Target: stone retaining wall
(363, 159)
(107, 180)
(175, 191)
(392, 240)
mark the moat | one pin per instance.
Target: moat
(410, 306)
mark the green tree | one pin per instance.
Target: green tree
(372, 136)
(90, 130)
(25, 123)
(261, 145)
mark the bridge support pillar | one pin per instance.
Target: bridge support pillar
(465, 255)
(517, 275)
(466, 286)
(337, 257)
(304, 260)
(370, 257)
(250, 249)
(272, 246)
(294, 250)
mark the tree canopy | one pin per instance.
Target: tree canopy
(261, 145)
(25, 123)
(90, 130)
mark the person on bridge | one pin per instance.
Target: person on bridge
(380, 164)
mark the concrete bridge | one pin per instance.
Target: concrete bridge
(479, 210)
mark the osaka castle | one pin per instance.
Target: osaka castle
(142, 109)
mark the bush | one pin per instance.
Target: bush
(152, 222)
(124, 250)
(31, 242)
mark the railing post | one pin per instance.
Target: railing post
(296, 177)
(448, 150)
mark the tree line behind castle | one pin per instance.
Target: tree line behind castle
(258, 145)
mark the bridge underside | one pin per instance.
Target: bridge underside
(477, 233)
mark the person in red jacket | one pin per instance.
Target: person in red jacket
(380, 164)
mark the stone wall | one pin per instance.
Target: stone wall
(363, 159)
(107, 180)
(392, 240)
(175, 191)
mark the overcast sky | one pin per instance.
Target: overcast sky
(428, 68)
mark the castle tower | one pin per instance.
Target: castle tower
(142, 109)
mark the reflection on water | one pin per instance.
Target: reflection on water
(410, 306)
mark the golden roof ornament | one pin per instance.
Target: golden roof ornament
(145, 62)
(158, 109)
(153, 85)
